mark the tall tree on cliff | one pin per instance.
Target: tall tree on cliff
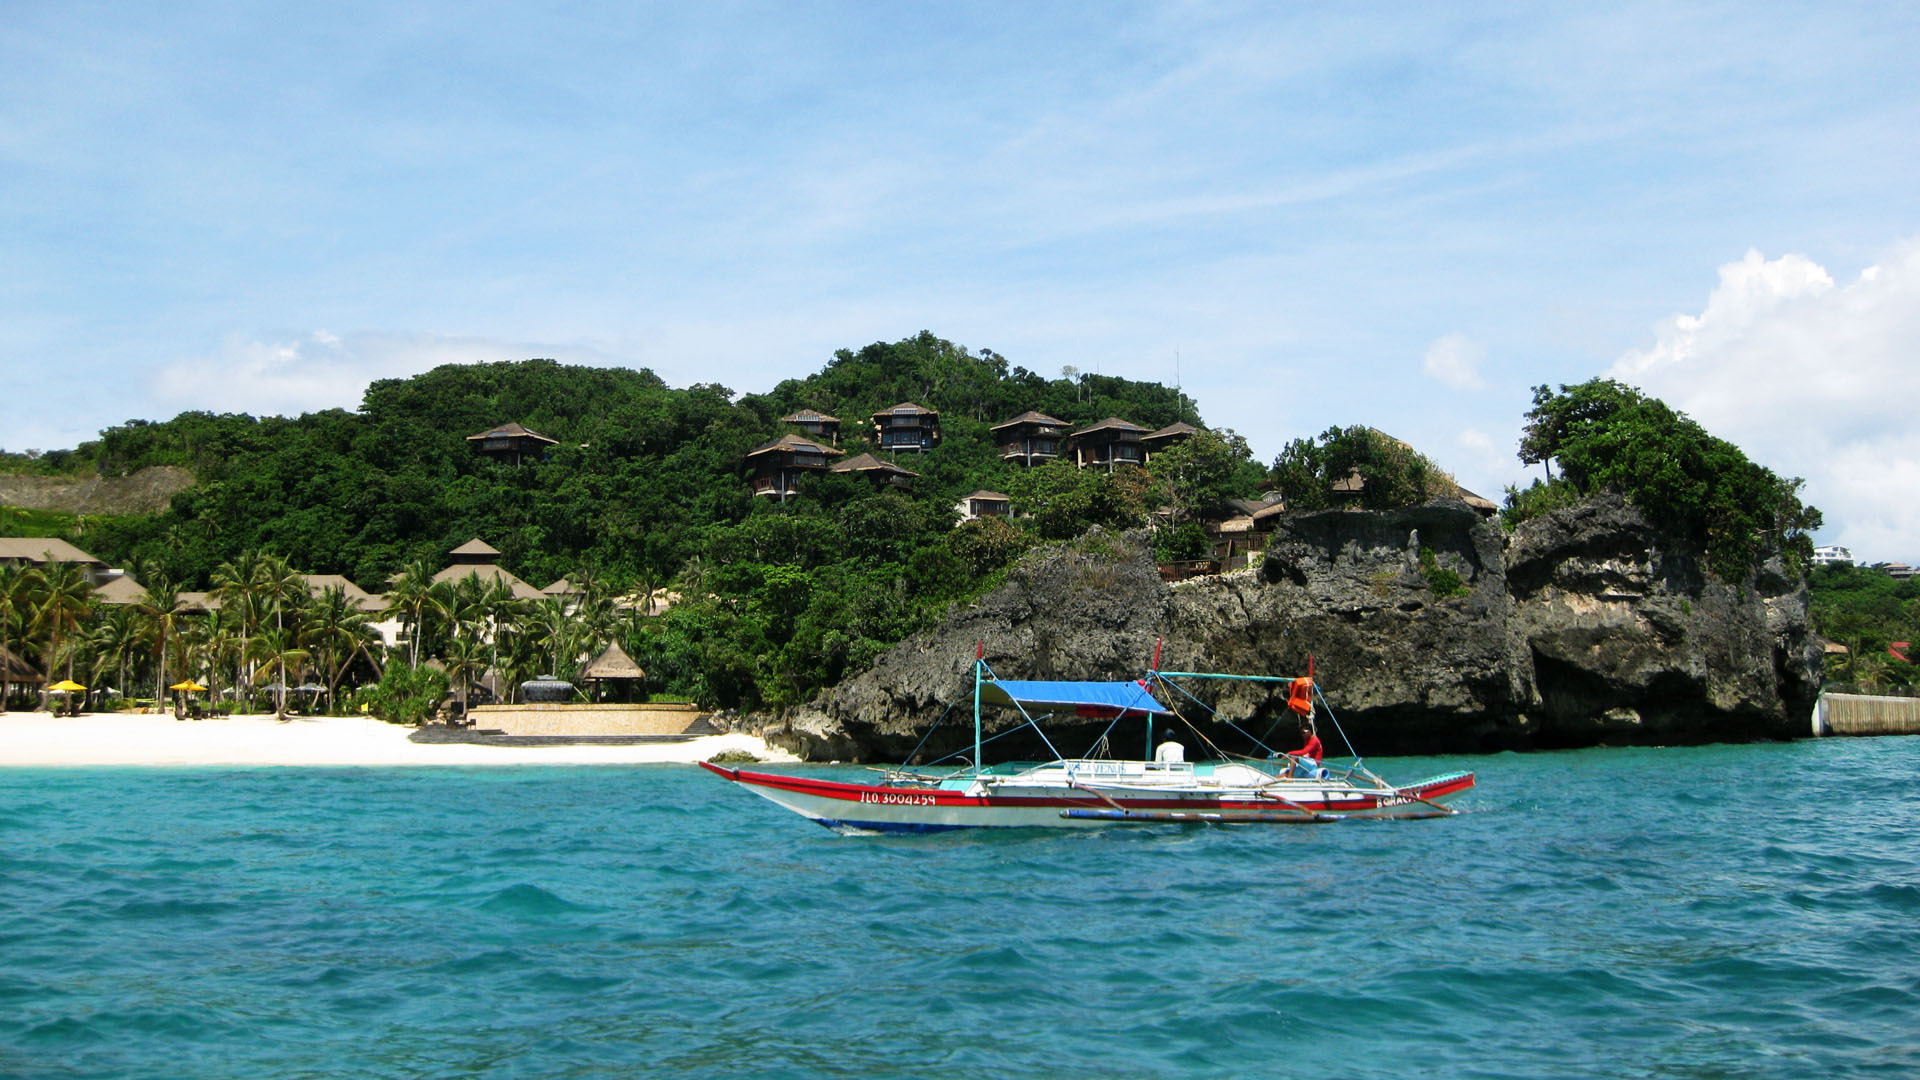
(1385, 472)
(1606, 436)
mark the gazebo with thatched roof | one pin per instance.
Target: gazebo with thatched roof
(614, 674)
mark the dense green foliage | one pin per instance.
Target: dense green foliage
(1867, 610)
(21, 521)
(647, 489)
(1609, 437)
(1391, 473)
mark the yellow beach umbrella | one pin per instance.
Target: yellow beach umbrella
(66, 686)
(189, 685)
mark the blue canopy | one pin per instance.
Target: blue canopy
(1094, 698)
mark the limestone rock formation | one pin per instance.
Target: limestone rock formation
(146, 491)
(1431, 631)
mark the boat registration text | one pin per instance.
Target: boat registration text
(897, 798)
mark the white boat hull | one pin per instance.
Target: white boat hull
(1010, 803)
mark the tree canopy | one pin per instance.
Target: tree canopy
(1389, 472)
(646, 489)
(1606, 436)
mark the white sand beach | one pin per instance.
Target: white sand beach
(35, 738)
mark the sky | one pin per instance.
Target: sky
(1405, 216)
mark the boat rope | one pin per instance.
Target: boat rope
(961, 753)
(1215, 715)
(923, 739)
(1351, 750)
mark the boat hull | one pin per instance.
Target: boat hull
(888, 808)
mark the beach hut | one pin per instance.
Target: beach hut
(614, 674)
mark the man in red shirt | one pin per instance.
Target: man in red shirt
(1307, 758)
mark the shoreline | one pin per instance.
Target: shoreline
(36, 739)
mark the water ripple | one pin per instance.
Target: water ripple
(651, 921)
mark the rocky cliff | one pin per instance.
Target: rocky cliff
(147, 491)
(1431, 629)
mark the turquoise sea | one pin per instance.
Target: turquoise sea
(1734, 911)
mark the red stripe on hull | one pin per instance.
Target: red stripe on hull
(876, 795)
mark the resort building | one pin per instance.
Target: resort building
(40, 551)
(119, 590)
(478, 559)
(984, 504)
(817, 424)
(906, 427)
(360, 599)
(511, 444)
(1031, 437)
(883, 474)
(1110, 442)
(776, 467)
(1832, 556)
(1172, 435)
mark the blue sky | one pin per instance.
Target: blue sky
(1403, 217)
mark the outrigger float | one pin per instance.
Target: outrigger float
(1099, 790)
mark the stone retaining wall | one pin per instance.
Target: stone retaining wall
(590, 719)
(1862, 714)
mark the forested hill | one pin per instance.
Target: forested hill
(641, 476)
(648, 487)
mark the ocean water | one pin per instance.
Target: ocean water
(1745, 911)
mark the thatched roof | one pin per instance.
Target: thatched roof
(512, 431)
(1112, 423)
(361, 599)
(475, 546)
(989, 496)
(869, 463)
(1171, 431)
(488, 572)
(809, 416)
(18, 670)
(795, 443)
(1030, 417)
(43, 549)
(120, 590)
(613, 663)
(905, 408)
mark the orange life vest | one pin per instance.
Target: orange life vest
(1300, 697)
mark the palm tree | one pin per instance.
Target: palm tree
(275, 647)
(286, 590)
(208, 641)
(237, 587)
(464, 656)
(336, 632)
(15, 581)
(503, 623)
(159, 609)
(63, 597)
(551, 629)
(116, 640)
(414, 597)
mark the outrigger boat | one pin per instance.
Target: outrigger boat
(1100, 790)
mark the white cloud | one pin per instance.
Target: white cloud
(1455, 359)
(1811, 378)
(322, 370)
